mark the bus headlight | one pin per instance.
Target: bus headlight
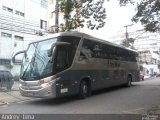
(44, 85)
(45, 82)
(20, 85)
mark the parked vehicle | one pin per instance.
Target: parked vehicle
(141, 74)
(158, 75)
(6, 79)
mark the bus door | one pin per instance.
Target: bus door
(61, 64)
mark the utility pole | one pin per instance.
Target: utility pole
(126, 34)
(56, 17)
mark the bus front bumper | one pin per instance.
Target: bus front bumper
(41, 91)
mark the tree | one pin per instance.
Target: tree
(80, 12)
(128, 43)
(125, 43)
(148, 13)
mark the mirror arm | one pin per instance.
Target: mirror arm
(56, 44)
(59, 43)
(13, 58)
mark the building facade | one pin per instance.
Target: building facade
(150, 61)
(142, 40)
(52, 17)
(148, 46)
(21, 21)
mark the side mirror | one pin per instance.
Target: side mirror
(20, 52)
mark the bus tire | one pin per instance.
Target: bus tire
(83, 91)
(129, 81)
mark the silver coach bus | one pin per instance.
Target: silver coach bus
(72, 63)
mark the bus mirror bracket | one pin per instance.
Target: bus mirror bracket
(50, 51)
(20, 52)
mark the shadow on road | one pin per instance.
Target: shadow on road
(64, 100)
(111, 89)
(53, 101)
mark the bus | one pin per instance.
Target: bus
(74, 63)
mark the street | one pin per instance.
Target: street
(141, 97)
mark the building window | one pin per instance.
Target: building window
(3, 34)
(50, 1)
(52, 15)
(44, 3)
(19, 13)
(43, 24)
(5, 62)
(7, 9)
(19, 38)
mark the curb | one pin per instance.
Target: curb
(154, 110)
(11, 98)
(7, 103)
(3, 102)
(149, 78)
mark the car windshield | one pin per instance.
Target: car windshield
(36, 61)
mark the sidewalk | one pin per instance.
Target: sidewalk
(12, 96)
(154, 110)
(146, 76)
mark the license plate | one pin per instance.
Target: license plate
(29, 94)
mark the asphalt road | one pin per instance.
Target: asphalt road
(120, 100)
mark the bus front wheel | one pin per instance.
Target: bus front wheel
(83, 92)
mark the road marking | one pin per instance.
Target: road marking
(134, 111)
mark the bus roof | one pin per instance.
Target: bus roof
(80, 34)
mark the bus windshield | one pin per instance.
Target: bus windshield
(42, 59)
(36, 62)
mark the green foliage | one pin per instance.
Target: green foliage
(80, 12)
(124, 2)
(148, 13)
(125, 43)
(128, 43)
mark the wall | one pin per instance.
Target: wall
(20, 20)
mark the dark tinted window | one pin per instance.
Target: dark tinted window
(74, 41)
(5, 62)
(65, 53)
(100, 50)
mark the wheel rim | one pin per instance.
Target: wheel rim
(84, 89)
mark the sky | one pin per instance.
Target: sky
(117, 18)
